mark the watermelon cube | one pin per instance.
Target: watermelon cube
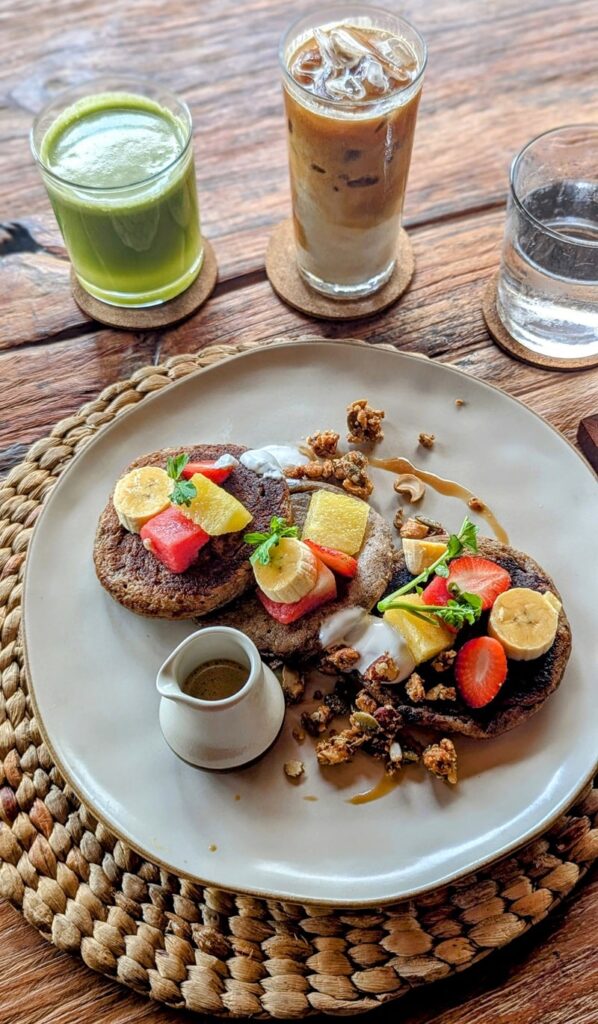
(173, 539)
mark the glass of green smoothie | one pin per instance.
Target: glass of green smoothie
(117, 161)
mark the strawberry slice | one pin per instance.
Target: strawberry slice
(338, 561)
(213, 472)
(473, 575)
(324, 590)
(173, 539)
(437, 591)
(480, 670)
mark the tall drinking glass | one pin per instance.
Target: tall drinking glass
(117, 160)
(352, 79)
(548, 283)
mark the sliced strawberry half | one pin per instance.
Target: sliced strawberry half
(213, 472)
(323, 591)
(338, 561)
(473, 575)
(480, 670)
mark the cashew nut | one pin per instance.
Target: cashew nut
(410, 486)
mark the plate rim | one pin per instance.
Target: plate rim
(415, 892)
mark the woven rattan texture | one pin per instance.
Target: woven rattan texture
(202, 948)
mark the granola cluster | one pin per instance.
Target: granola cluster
(324, 443)
(339, 659)
(364, 423)
(441, 760)
(383, 670)
(427, 440)
(416, 691)
(418, 527)
(375, 726)
(349, 470)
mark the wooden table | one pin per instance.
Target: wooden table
(499, 72)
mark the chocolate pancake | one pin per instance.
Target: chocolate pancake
(300, 639)
(137, 580)
(528, 683)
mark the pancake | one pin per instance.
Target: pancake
(299, 640)
(137, 580)
(528, 683)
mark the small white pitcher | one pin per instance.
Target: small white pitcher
(219, 733)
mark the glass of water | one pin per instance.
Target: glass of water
(548, 282)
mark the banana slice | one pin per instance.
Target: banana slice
(290, 574)
(420, 554)
(140, 495)
(552, 600)
(524, 622)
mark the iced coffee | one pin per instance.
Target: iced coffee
(351, 87)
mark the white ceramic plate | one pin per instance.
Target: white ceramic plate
(93, 665)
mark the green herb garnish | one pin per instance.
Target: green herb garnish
(267, 541)
(462, 608)
(183, 491)
(466, 538)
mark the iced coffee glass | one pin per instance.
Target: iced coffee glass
(352, 79)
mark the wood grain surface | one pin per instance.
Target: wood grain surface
(499, 72)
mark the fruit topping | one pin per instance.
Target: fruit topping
(525, 622)
(336, 521)
(141, 494)
(173, 539)
(323, 591)
(472, 575)
(425, 637)
(290, 572)
(420, 554)
(466, 539)
(214, 509)
(338, 561)
(217, 470)
(480, 670)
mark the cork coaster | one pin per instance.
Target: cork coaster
(148, 317)
(515, 348)
(284, 276)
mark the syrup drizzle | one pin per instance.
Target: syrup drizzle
(383, 787)
(449, 487)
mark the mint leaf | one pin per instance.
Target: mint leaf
(468, 534)
(266, 542)
(183, 491)
(176, 464)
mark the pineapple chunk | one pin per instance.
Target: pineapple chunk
(214, 509)
(424, 639)
(336, 521)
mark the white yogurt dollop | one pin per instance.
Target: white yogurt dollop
(225, 461)
(369, 635)
(271, 460)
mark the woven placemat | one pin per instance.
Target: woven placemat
(198, 947)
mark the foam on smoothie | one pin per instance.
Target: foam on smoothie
(113, 140)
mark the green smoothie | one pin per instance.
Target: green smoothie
(122, 184)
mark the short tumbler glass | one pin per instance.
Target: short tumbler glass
(116, 157)
(349, 158)
(548, 282)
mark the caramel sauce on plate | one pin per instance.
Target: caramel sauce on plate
(449, 487)
(382, 788)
